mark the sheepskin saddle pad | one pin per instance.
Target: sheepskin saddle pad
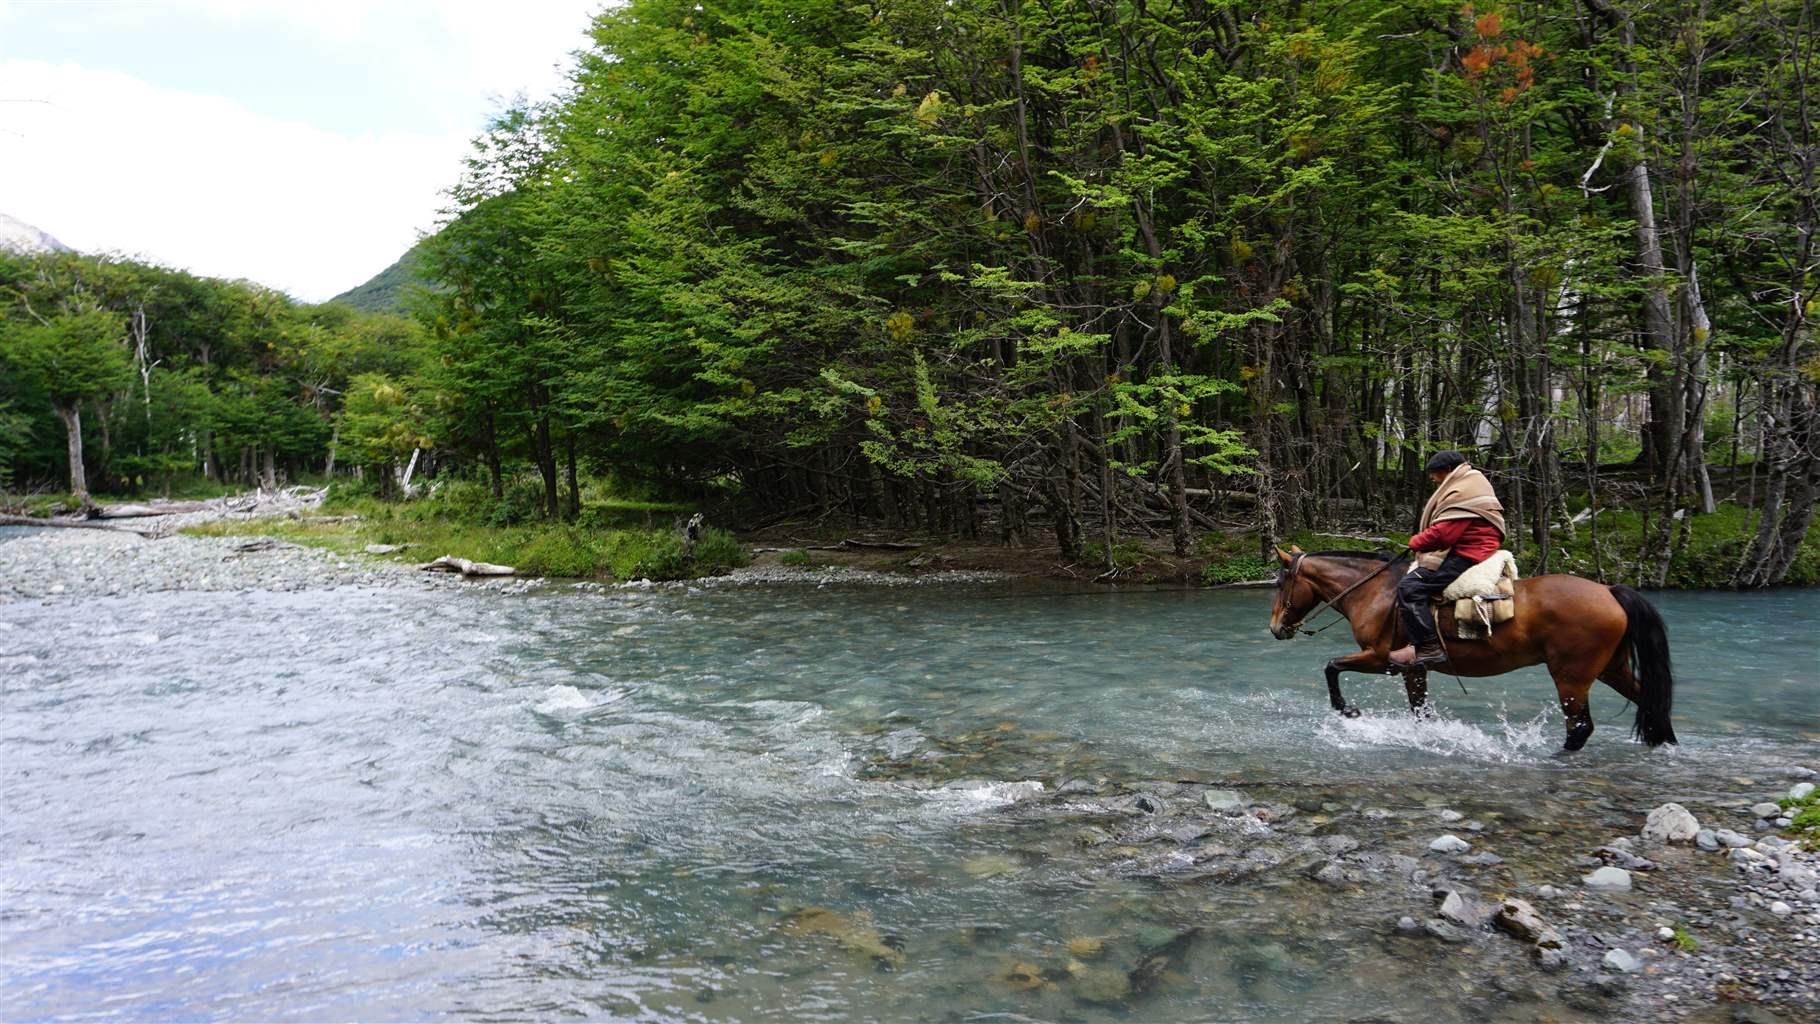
(1483, 596)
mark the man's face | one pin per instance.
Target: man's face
(1436, 477)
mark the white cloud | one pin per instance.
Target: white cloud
(198, 179)
(107, 162)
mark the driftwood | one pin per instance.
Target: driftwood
(449, 563)
(142, 511)
(865, 545)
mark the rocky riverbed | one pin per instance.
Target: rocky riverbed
(1702, 918)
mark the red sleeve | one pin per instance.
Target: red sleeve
(1441, 536)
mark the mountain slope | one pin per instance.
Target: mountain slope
(387, 290)
(18, 236)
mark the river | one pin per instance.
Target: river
(805, 803)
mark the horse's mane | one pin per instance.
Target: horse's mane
(1381, 556)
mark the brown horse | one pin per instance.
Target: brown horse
(1580, 629)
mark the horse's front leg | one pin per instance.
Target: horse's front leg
(1415, 685)
(1357, 661)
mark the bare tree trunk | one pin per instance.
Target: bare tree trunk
(71, 415)
(574, 477)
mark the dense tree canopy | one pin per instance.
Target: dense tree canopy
(1095, 268)
(156, 374)
(1117, 266)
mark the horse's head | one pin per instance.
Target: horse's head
(1295, 596)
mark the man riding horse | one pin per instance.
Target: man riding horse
(1462, 525)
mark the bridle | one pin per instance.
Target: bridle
(1295, 567)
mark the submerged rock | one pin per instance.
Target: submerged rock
(1099, 985)
(1461, 909)
(1670, 823)
(1444, 931)
(1517, 918)
(854, 932)
(1449, 843)
(1224, 801)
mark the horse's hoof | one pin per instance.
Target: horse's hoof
(1351, 711)
(1422, 711)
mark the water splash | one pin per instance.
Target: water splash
(1440, 733)
(971, 796)
(558, 699)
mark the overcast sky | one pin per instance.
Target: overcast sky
(303, 144)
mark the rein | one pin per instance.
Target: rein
(1334, 603)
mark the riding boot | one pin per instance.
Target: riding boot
(1428, 655)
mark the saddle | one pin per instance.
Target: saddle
(1482, 597)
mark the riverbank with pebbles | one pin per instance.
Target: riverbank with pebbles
(38, 564)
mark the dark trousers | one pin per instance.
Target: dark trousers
(1416, 590)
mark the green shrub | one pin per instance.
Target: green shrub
(1125, 554)
(1804, 815)
(795, 556)
(717, 551)
(662, 558)
(558, 552)
(522, 503)
(1238, 570)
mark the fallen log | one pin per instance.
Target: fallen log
(142, 511)
(449, 563)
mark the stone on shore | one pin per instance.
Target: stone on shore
(1608, 879)
(1766, 809)
(1800, 790)
(1670, 823)
(1731, 840)
(1622, 961)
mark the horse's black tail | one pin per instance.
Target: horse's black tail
(1646, 641)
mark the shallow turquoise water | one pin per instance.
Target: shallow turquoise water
(767, 804)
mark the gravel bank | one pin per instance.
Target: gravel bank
(38, 564)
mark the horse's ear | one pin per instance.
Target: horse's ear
(1294, 550)
(1284, 556)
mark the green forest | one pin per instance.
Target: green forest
(1084, 273)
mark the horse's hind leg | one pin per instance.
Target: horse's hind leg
(1619, 676)
(1573, 692)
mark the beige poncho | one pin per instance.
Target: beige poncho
(1463, 494)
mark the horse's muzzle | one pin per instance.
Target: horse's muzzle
(1283, 632)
